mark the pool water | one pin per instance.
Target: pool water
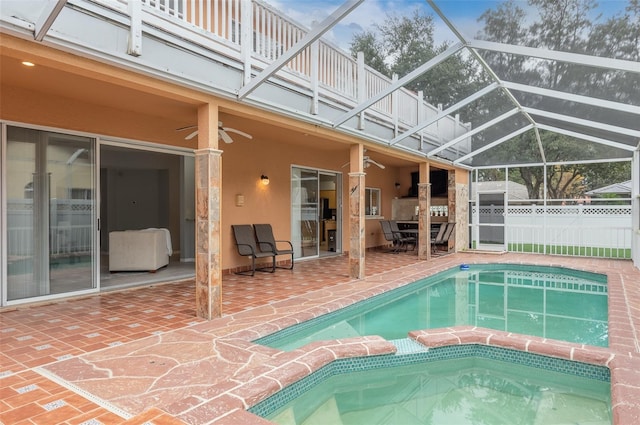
(456, 391)
(550, 302)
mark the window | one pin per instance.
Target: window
(371, 201)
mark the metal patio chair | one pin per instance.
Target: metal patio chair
(267, 243)
(247, 247)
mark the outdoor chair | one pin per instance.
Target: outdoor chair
(396, 239)
(267, 242)
(448, 238)
(438, 236)
(247, 247)
(409, 237)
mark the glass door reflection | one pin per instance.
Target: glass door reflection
(50, 213)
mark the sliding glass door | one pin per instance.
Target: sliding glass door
(50, 213)
(315, 213)
(304, 212)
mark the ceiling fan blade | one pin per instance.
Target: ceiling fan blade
(224, 136)
(222, 132)
(375, 163)
(186, 127)
(233, 130)
(191, 135)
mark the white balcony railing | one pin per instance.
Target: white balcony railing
(273, 34)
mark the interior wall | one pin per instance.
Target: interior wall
(142, 190)
(137, 199)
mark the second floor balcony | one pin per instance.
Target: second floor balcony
(223, 46)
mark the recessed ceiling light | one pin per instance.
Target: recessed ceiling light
(27, 63)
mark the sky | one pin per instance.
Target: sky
(463, 14)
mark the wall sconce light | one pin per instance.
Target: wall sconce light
(397, 186)
(264, 180)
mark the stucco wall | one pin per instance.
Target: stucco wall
(123, 106)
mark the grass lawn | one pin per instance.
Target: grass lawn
(579, 251)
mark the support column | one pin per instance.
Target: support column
(356, 213)
(208, 185)
(424, 215)
(452, 201)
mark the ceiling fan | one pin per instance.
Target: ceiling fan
(222, 132)
(367, 161)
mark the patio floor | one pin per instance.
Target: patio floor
(140, 356)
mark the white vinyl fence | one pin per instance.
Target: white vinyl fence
(70, 227)
(578, 230)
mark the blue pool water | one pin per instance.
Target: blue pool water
(474, 384)
(550, 302)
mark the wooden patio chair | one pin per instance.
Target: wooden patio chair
(267, 243)
(247, 247)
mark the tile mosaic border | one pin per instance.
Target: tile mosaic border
(340, 366)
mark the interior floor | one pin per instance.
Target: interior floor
(174, 271)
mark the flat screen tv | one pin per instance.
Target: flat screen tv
(439, 183)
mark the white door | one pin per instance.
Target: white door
(490, 221)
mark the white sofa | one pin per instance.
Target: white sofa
(139, 250)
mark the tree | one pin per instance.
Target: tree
(402, 44)
(564, 25)
(604, 174)
(373, 50)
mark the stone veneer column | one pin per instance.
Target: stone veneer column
(452, 205)
(424, 221)
(451, 195)
(461, 217)
(208, 172)
(356, 225)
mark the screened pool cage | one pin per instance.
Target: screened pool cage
(554, 133)
(552, 119)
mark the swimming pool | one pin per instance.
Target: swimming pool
(469, 384)
(551, 302)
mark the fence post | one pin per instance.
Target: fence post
(314, 75)
(361, 87)
(420, 114)
(134, 47)
(394, 106)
